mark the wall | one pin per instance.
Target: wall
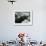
(9, 31)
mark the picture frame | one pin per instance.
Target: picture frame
(23, 18)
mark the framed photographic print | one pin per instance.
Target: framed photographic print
(23, 18)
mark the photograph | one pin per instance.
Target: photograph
(22, 22)
(23, 18)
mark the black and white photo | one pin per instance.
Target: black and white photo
(23, 18)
